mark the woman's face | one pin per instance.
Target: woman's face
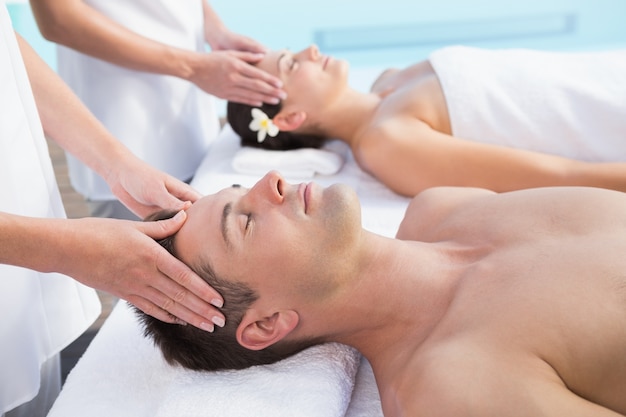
(310, 79)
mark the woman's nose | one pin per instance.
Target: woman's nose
(314, 52)
(270, 188)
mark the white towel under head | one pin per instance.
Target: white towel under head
(124, 374)
(316, 382)
(297, 163)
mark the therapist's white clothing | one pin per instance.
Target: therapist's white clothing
(164, 120)
(40, 313)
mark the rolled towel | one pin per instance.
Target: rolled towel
(297, 163)
(316, 382)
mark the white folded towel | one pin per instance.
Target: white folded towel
(123, 374)
(316, 382)
(297, 163)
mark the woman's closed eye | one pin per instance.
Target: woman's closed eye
(248, 222)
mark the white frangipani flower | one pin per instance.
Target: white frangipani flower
(263, 125)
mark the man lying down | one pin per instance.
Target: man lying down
(484, 304)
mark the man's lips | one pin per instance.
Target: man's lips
(305, 192)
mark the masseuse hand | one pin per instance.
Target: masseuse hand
(122, 257)
(229, 76)
(145, 274)
(146, 190)
(229, 71)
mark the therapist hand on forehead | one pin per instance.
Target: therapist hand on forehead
(117, 256)
(227, 72)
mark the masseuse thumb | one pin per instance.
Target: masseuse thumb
(161, 229)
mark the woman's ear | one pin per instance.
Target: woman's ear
(289, 121)
(256, 333)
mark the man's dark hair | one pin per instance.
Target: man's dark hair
(198, 349)
(239, 117)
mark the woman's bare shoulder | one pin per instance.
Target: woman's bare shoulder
(393, 78)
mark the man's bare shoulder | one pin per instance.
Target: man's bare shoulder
(451, 380)
(432, 206)
(466, 210)
(460, 378)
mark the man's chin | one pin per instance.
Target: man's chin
(345, 199)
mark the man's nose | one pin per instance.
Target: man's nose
(270, 188)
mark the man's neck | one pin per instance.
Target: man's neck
(399, 288)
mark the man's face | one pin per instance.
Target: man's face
(274, 236)
(310, 79)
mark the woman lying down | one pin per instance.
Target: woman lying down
(496, 119)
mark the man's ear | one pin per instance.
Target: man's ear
(289, 121)
(256, 333)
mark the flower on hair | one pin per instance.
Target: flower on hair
(263, 125)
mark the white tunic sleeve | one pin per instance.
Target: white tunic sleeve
(41, 313)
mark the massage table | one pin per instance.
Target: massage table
(122, 374)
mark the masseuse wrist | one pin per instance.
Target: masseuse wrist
(187, 64)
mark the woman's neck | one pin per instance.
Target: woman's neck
(348, 115)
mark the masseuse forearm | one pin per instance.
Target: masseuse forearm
(67, 121)
(30, 243)
(79, 26)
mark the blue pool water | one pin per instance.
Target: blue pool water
(373, 35)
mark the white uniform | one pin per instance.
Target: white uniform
(563, 103)
(40, 313)
(166, 121)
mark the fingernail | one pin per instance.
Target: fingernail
(179, 215)
(217, 302)
(181, 322)
(207, 326)
(274, 100)
(218, 321)
(282, 95)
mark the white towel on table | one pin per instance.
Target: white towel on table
(571, 104)
(316, 382)
(297, 163)
(122, 374)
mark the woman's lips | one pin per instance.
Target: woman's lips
(306, 196)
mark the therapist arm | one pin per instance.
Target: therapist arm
(159, 284)
(120, 257)
(224, 73)
(142, 188)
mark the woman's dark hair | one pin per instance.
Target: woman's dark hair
(197, 349)
(240, 115)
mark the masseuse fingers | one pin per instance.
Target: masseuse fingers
(250, 97)
(262, 82)
(152, 309)
(185, 293)
(164, 315)
(169, 307)
(250, 71)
